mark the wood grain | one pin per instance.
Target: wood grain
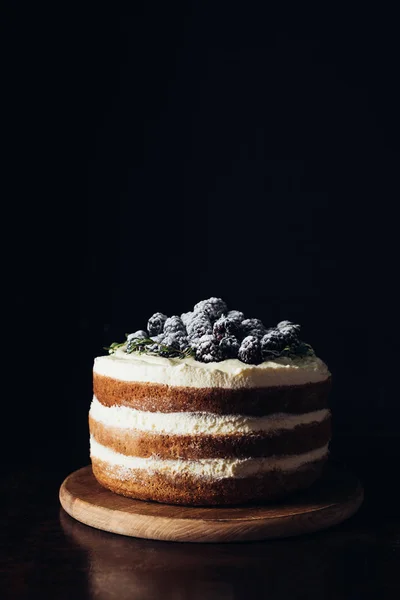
(336, 496)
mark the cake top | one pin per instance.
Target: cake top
(211, 333)
(230, 373)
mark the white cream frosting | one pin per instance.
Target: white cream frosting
(214, 468)
(189, 423)
(188, 372)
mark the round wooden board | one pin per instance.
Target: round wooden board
(334, 498)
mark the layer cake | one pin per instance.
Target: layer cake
(182, 431)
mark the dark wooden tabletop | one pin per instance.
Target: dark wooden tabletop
(46, 554)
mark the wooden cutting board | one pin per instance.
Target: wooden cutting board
(334, 498)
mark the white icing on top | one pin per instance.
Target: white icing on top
(215, 468)
(188, 372)
(189, 423)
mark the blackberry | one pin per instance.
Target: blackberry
(187, 317)
(174, 324)
(175, 341)
(199, 326)
(284, 324)
(207, 349)
(236, 315)
(155, 324)
(213, 308)
(200, 307)
(258, 333)
(226, 326)
(229, 347)
(253, 327)
(272, 344)
(250, 350)
(157, 339)
(180, 338)
(183, 343)
(290, 335)
(139, 334)
(193, 342)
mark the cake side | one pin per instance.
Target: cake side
(301, 439)
(193, 490)
(209, 408)
(204, 446)
(153, 397)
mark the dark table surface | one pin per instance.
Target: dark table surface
(47, 554)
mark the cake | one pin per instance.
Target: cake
(207, 421)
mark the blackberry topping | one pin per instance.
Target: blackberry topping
(219, 328)
(157, 340)
(284, 324)
(175, 341)
(207, 349)
(251, 324)
(253, 327)
(183, 343)
(187, 317)
(212, 333)
(272, 344)
(226, 326)
(199, 326)
(290, 335)
(213, 308)
(155, 324)
(174, 324)
(178, 337)
(250, 350)
(258, 333)
(140, 334)
(229, 347)
(236, 315)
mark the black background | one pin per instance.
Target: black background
(178, 151)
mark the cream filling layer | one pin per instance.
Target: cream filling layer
(202, 423)
(214, 468)
(229, 374)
